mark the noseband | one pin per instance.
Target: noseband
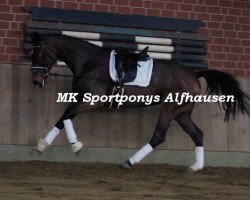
(40, 70)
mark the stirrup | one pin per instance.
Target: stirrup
(41, 146)
(76, 147)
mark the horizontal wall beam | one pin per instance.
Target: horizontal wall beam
(155, 55)
(114, 19)
(49, 27)
(121, 38)
(139, 42)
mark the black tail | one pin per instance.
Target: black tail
(221, 83)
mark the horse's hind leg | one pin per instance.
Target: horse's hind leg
(186, 122)
(163, 122)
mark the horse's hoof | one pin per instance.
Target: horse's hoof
(191, 170)
(41, 146)
(126, 165)
(35, 151)
(77, 147)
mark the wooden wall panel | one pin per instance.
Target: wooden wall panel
(29, 112)
(5, 104)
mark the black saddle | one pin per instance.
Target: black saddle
(126, 63)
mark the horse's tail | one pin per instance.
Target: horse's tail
(221, 83)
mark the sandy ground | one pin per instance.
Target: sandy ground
(73, 181)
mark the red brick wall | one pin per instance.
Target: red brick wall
(228, 24)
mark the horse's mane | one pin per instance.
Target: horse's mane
(79, 40)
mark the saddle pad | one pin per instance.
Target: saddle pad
(144, 71)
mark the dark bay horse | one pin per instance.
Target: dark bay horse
(89, 65)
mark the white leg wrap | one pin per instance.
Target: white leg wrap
(52, 135)
(199, 159)
(139, 155)
(70, 132)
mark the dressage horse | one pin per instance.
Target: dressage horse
(90, 67)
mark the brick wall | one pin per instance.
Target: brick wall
(228, 25)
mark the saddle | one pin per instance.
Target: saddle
(126, 63)
(126, 68)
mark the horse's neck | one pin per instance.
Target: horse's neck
(75, 55)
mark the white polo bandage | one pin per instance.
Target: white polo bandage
(52, 135)
(199, 159)
(70, 132)
(139, 155)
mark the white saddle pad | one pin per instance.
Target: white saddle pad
(144, 71)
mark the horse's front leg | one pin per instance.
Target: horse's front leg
(66, 122)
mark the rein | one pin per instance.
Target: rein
(49, 73)
(76, 76)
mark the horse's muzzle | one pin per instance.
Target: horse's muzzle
(40, 84)
(38, 81)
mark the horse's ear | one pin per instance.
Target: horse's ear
(36, 37)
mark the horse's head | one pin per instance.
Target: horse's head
(43, 58)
